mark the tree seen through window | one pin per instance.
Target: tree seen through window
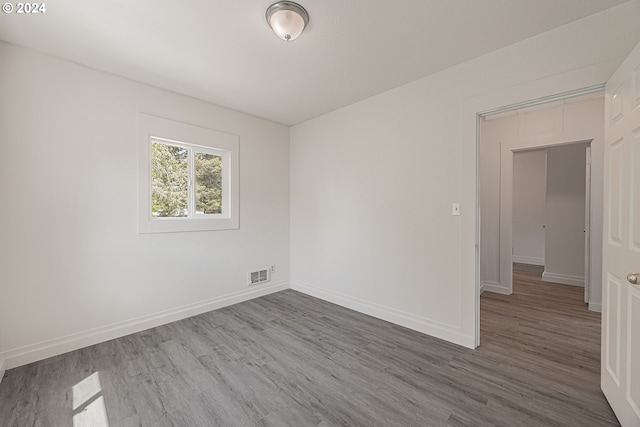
(170, 171)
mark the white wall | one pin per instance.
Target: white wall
(529, 194)
(372, 183)
(565, 215)
(73, 269)
(494, 132)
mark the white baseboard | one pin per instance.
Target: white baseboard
(53, 347)
(494, 287)
(408, 320)
(563, 279)
(595, 306)
(528, 260)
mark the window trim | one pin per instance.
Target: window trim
(153, 128)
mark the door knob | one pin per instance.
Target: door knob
(633, 278)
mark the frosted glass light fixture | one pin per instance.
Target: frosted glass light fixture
(287, 19)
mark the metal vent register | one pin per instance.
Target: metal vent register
(256, 277)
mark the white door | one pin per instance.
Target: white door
(620, 374)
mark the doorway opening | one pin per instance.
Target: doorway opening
(551, 212)
(537, 222)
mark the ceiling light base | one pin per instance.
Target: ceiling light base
(287, 19)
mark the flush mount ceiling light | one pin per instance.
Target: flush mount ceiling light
(287, 19)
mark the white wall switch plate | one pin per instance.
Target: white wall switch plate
(455, 209)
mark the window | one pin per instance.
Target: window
(186, 180)
(188, 177)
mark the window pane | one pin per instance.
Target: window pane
(208, 183)
(169, 180)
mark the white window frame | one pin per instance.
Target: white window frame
(195, 139)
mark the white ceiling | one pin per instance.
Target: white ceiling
(223, 51)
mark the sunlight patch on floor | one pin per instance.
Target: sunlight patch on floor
(88, 403)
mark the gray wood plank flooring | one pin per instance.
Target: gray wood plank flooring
(288, 359)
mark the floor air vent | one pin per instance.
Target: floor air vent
(257, 277)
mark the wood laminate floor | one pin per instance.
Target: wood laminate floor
(288, 359)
